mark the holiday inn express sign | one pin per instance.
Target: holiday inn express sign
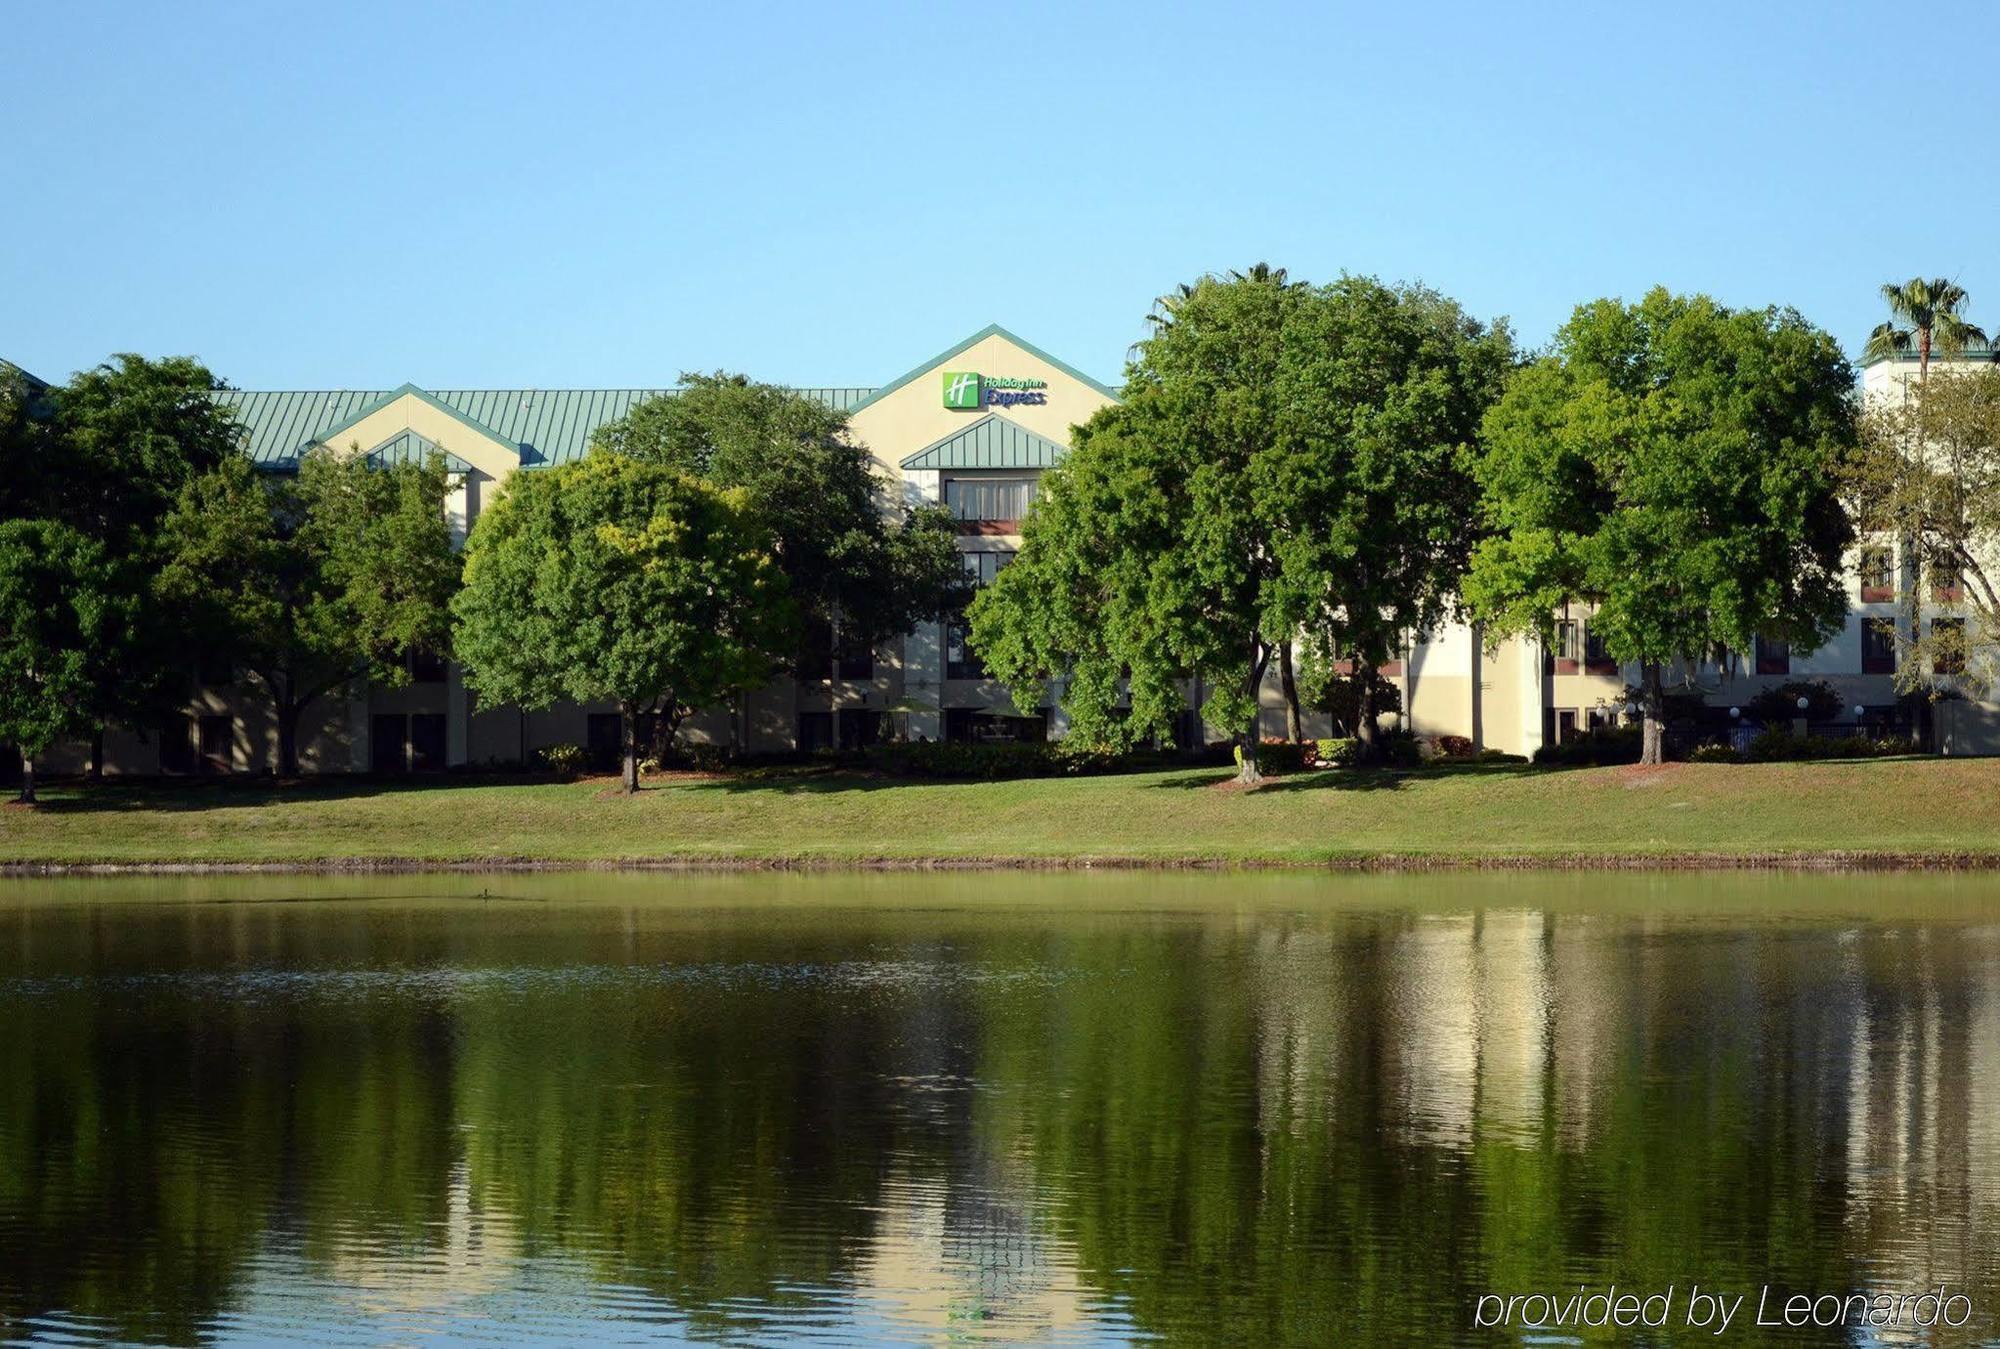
(970, 391)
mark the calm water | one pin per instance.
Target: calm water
(1060, 1108)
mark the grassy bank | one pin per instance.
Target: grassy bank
(1901, 808)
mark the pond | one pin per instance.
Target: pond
(1059, 1107)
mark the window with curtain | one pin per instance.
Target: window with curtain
(989, 498)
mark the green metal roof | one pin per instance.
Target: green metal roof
(990, 442)
(549, 426)
(35, 383)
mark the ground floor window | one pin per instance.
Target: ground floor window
(217, 736)
(427, 742)
(388, 743)
(815, 731)
(1774, 657)
(859, 727)
(407, 744)
(176, 739)
(978, 724)
(1558, 725)
(604, 741)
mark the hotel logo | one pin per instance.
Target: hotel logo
(962, 390)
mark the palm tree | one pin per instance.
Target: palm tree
(1931, 310)
(1164, 308)
(1263, 271)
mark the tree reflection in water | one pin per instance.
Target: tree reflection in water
(1210, 1107)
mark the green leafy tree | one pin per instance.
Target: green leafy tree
(133, 433)
(106, 454)
(1383, 388)
(1288, 459)
(1930, 309)
(622, 581)
(63, 616)
(1674, 463)
(853, 562)
(1147, 558)
(1927, 471)
(316, 581)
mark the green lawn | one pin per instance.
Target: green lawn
(1899, 806)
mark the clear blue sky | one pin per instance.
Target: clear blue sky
(503, 194)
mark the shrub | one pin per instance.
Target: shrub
(565, 761)
(1340, 752)
(1779, 704)
(1778, 745)
(1596, 747)
(1454, 747)
(1498, 756)
(1714, 754)
(700, 758)
(986, 760)
(1282, 756)
(1402, 749)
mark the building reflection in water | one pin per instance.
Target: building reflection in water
(1285, 1110)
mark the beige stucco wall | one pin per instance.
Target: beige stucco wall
(905, 421)
(410, 413)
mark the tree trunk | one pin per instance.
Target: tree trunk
(628, 718)
(96, 771)
(27, 796)
(1367, 734)
(1923, 354)
(1248, 773)
(1654, 704)
(1295, 729)
(288, 738)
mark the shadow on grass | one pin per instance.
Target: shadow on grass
(166, 796)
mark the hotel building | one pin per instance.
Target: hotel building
(974, 428)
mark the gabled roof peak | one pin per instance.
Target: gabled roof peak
(990, 330)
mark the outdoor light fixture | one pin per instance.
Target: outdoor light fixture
(1735, 712)
(1804, 702)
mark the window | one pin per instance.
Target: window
(427, 742)
(856, 661)
(426, 666)
(960, 660)
(815, 657)
(1596, 660)
(1878, 578)
(1565, 655)
(1558, 724)
(1948, 642)
(1878, 646)
(604, 740)
(815, 731)
(994, 498)
(1774, 656)
(1947, 582)
(982, 567)
(859, 727)
(978, 724)
(177, 745)
(388, 743)
(217, 736)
